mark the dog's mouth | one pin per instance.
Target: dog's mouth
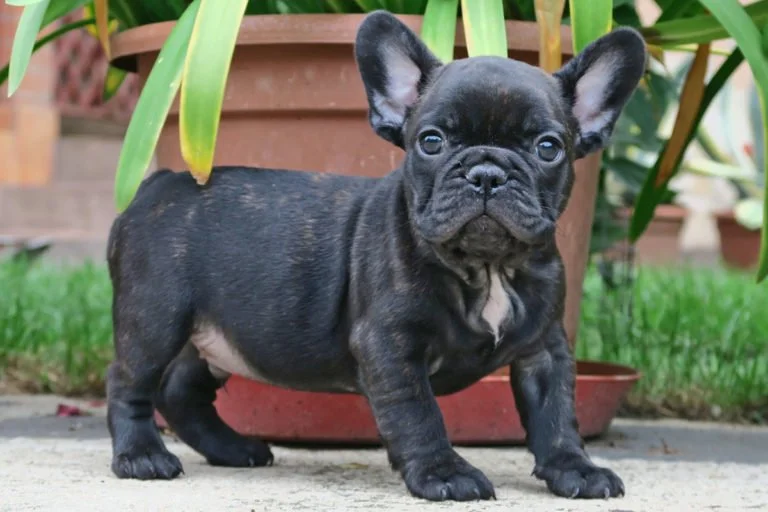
(485, 238)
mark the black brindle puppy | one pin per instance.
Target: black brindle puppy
(400, 288)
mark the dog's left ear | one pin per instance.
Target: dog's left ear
(598, 82)
(395, 65)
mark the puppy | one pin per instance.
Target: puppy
(401, 288)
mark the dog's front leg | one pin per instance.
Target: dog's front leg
(393, 376)
(543, 384)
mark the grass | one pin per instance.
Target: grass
(700, 337)
(55, 328)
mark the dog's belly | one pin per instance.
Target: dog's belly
(224, 360)
(221, 356)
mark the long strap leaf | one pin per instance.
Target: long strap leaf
(549, 15)
(438, 30)
(22, 3)
(152, 109)
(59, 8)
(590, 19)
(24, 41)
(206, 67)
(690, 99)
(484, 27)
(101, 8)
(704, 28)
(48, 38)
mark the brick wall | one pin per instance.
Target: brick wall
(81, 67)
(29, 122)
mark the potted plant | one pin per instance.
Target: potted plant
(741, 166)
(717, 19)
(635, 145)
(739, 228)
(242, 85)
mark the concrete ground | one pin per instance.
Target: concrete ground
(62, 464)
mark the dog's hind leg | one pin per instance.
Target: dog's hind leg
(185, 400)
(152, 318)
(151, 327)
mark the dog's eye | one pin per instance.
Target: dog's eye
(548, 149)
(431, 143)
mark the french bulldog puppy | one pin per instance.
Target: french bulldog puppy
(401, 288)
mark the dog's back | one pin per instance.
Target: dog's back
(240, 258)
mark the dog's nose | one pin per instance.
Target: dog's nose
(486, 177)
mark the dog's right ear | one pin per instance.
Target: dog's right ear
(395, 65)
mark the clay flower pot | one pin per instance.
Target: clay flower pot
(294, 100)
(660, 243)
(484, 413)
(739, 246)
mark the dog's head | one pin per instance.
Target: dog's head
(490, 142)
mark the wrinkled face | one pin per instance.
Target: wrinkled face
(488, 162)
(491, 141)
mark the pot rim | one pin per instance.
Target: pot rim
(308, 29)
(662, 212)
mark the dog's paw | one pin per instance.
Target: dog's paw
(572, 475)
(447, 476)
(244, 453)
(147, 465)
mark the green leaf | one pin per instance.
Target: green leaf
(737, 22)
(764, 33)
(368, 5)
(520, 10)
(340, 6)
(484, 27)
(24, 41)
(112, 82)
(58, 8)
(651, 195)
(152, 108)
(204, 81)
(676, 9)
(700, 29)
(48, 38)
(590, 19)
(127, 12)
(22, 3)
(438, 31)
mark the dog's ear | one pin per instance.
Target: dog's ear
(598, 82)
(395, 65)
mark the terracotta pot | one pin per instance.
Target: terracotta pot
(739, 246)
(660, 244)
(484, 413)
(294, 100)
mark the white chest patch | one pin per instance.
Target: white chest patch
(497, 306)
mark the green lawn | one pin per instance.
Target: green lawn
(700, 337)
(55, 327)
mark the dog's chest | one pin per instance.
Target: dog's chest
(225, 358)
(497, 305)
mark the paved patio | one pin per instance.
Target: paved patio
(62, 464)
